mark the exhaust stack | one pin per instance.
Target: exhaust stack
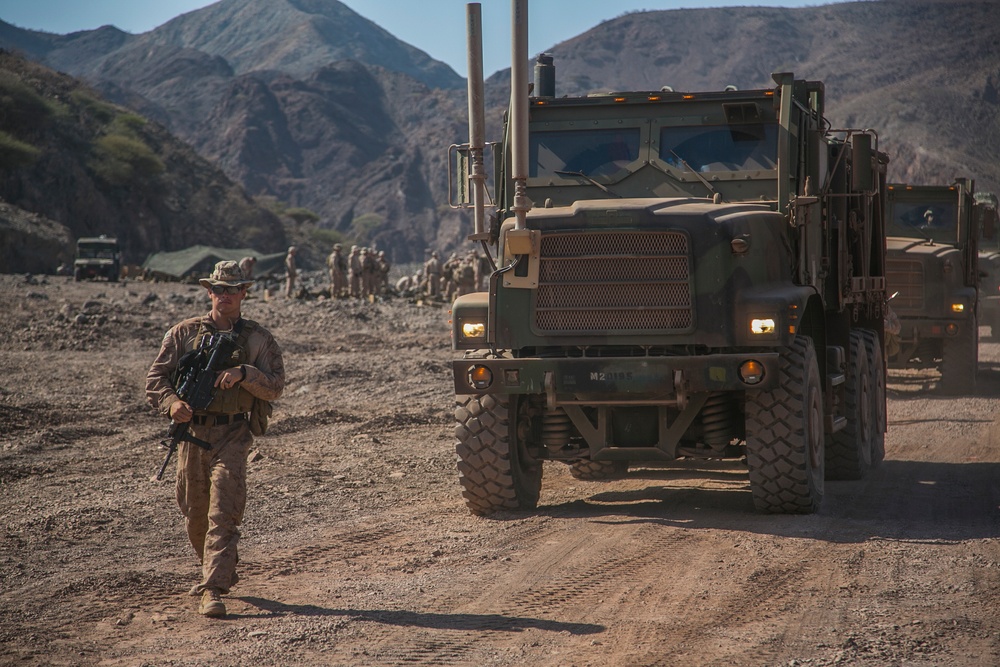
(545, 76)
(519, 110)
(477, 117)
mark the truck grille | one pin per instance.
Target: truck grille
(614, 281)
(906, 277)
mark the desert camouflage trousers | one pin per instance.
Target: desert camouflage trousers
(212, 494)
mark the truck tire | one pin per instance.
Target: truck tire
(495, 471)
(784, 436)
(960, 361)
(590, 471)
(876, 370)
(77, 275)
(849, 450)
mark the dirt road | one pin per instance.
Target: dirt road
(357, 549)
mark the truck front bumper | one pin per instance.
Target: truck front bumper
(622, 380)
(912, 329)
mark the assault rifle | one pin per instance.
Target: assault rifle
(195, 385)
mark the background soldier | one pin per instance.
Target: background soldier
(337, 266)
(465, 276)
(291, 272)
(382, 272)
(354, 271)
(448, 277)
(211, 485)
(432, 270)
(368, 270)
(247, 265)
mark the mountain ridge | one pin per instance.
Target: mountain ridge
(363, 144)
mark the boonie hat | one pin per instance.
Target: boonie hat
(226, 273)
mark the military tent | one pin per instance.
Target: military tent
(198, 261)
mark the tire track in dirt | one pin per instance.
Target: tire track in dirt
(318, 556)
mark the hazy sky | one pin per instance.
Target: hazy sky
(437, 27)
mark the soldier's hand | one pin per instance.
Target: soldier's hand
(180, 412)
(229, 377)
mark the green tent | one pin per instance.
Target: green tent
(198, 261)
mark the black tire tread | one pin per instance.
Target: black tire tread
(777, 452)
(876, 369)
(485, 464)
(848, 451)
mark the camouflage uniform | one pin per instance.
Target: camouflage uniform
(449, 279)
(292, 272)
(382, 276)
(465, 276)
(247, 265)
(432, 269)
(354, 271)
(211, 485)
(337, 266)
(368, 270)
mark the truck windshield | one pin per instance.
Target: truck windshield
(594, 153)
(936, 220)
(721, 148)
(96, 252)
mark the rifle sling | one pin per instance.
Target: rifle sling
(196, 441)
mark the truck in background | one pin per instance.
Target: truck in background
(989, 262)
(933, 273)
(97, 257)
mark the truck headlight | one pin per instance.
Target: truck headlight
(471, 330)
(763, 326)
(958, 307)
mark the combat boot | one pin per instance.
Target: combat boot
(211, 604)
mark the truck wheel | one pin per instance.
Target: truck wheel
(77, 275)
(589, 471)
(494, 468)
(876, 371)
(960, 361)
(849, 451)
(784, 436)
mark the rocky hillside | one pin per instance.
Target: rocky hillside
(309, 104)
(301, 101)
(97, 168)
(924, 73)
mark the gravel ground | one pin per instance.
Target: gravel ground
(358, 550)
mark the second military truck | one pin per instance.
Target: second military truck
(933, 274)
(679, 275)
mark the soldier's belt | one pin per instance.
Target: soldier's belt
(218, 420)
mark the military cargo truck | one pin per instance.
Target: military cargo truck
(932, 269)
(97, 257)
(989, 262)
(680, 275)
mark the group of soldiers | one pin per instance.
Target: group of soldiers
(364, 272)
(361, 273)
(454, 277)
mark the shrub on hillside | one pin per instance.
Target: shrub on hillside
(20, 106)
(120, 160)
(15, 153)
